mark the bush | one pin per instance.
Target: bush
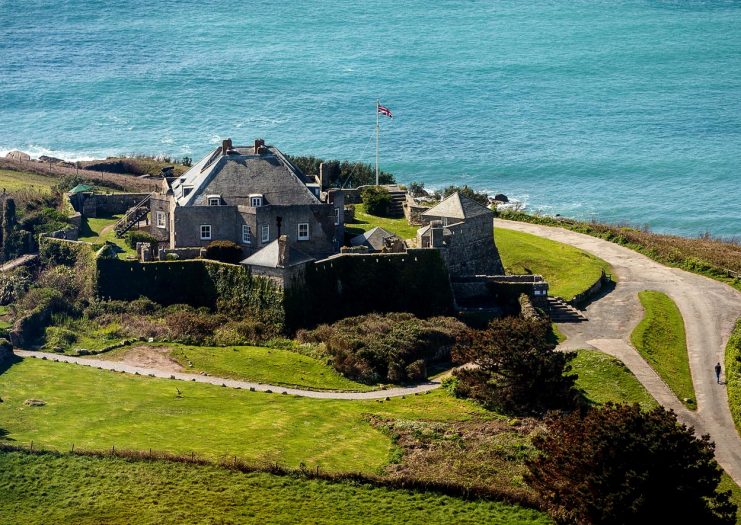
(13, 285)
(193, 327)
(621, 465)
(480, 197)
(224, 251)
(518, 369)
(377, 200)
(57, 337)
(136, 236)
(391, 348)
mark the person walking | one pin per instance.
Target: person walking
(717, 372)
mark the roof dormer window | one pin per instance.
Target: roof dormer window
(187, 190)
(256, 200)
(214, 200)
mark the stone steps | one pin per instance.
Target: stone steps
(562, 312)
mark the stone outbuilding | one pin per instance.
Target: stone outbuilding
(463, 231)
(378, 240)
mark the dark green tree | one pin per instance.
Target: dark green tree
(516, 368)
(480, 197)
(376, 200)
(619, 465)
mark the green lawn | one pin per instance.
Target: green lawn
(604, 378)
(41, 489)
(660, 339)
(96, 409)
(259, 364)
(568, 270)
(98, 230)
(365, 221)
(733, 373)
(15, 180)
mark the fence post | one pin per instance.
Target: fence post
(73, 448)
(31, 446)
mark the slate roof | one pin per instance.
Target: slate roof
(240, 173)
(457, 206)
(267, 257)
(373, 238)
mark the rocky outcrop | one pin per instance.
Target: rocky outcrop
(18, 155)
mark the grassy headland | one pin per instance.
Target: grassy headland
(714, 258)
(660, 339)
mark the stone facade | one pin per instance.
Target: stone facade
(94, 204)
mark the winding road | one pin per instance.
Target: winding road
(709, 308)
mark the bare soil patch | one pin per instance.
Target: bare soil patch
(157, 357)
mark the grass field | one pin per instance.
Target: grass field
(87, 490)
(98, 230)
(660, 339)
(16, 180)
(604, 378)
(97, 409)
(733, 374)
(365, 221)
(259, 364)
(568, 270)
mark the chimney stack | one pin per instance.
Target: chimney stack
(226, 145)
(259, 143)
(282, 250)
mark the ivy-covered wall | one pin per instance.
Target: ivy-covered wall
(227, 287)
(352, 284)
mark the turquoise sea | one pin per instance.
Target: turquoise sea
(615, 110)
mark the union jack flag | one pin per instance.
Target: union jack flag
(383, 110)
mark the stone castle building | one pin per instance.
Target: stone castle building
(251, 195)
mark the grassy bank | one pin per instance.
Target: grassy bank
(568, 270)
(733, 374)
(97, 409)
(604, 378)
(16, 180)
(365, 221)
(98, 230)
(89, 490)
(254, 363)
(660, 339)
(704, 255)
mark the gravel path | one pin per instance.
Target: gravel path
(120, 366)
(710, 310)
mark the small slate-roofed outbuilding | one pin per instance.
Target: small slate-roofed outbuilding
(374, 239)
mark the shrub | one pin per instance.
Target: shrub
(192, 327)
(517, 368)
(13, 285)
(377, 200)
(59, 337)
(136, 236)
(387, 348)
(224, 251)
(621, 465)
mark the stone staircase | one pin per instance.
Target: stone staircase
(562, 312)
(398, 198)
(132, 217)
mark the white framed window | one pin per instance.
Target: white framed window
(255, 200)
(205, 232)
(265, 233)
(336, 216)
(161, 219)
(246, 234)
(187, 190)
(303, 231)
(214, 200)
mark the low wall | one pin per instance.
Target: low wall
(580, 300)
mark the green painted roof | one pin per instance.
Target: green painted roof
(81, 188)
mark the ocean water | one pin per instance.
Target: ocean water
(613, 110)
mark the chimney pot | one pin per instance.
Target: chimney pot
(226, 145)
(258, 144)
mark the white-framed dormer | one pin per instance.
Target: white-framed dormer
(213, 200)
(303, 231)
(246, 234)
(256, 200)
(187, 190)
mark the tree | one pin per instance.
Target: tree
(349, 175)
(516, 368)
(224, 251)
(377, 200)
(480, 197)
(621, 465)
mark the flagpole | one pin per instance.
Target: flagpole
(378, 102)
